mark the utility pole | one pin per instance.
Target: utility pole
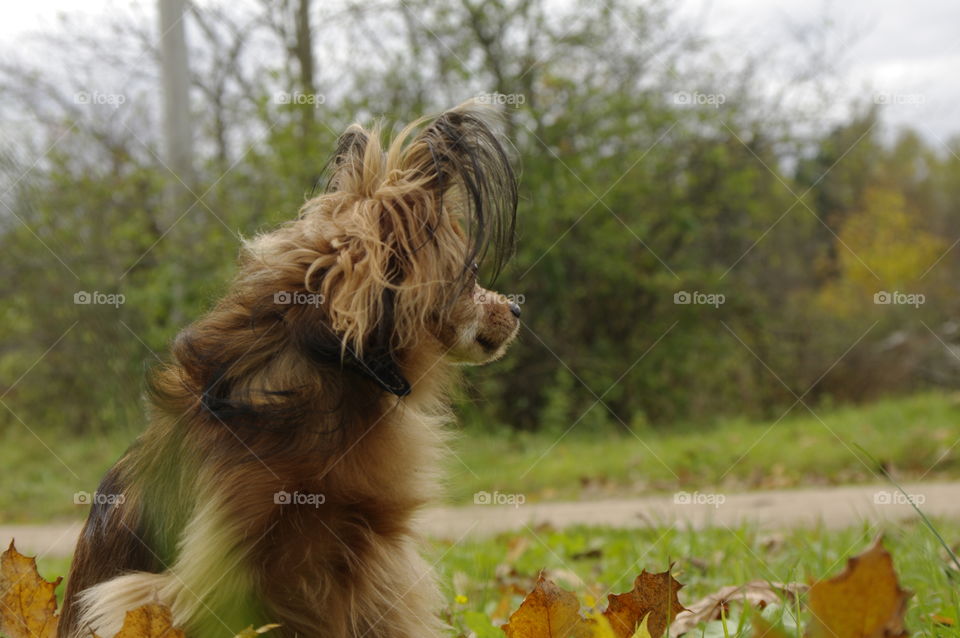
(175, 76)
(177, 138)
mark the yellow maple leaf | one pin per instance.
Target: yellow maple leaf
(548, 612)
(28, 604)
(864, 601)
(149, 621)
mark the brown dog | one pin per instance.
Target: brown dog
(297, 428)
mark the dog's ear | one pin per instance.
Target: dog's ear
(346, 167)
(399, 229)
(462, 161)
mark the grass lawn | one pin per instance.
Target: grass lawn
(596, 561)
(914, 437)
(486, 579)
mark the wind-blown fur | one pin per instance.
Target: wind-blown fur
(295, 430)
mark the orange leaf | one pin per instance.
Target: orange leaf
(149, 621)
(864, 601)
(28, 604)
(654, 594)
(943, 620)
(548, 612)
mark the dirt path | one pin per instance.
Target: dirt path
(834, 507)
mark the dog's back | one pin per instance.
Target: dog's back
(111, 543)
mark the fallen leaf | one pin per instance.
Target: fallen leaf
(943, 620)
(548, 612)
(149, 621)
(756, 594)
(28, 604)
(590, 554)
(864, 601)
(653, 594)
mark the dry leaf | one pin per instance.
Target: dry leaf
(548, 612)
(757, 594)
(864, 601)
(946, 621)
(653, 594)
(149, 621)
(28, 604)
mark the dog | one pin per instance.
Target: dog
(295, 431)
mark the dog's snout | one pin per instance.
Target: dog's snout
(515, 309)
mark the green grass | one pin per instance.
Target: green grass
(912, 436)
(41, 472)
(490, 574)
(484, 579)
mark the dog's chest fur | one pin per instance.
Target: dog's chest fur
(347, 534)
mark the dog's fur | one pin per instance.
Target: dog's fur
(324, 375)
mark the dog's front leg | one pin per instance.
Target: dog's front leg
(210, 587)
(400, 595)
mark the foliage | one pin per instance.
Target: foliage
(630, 195)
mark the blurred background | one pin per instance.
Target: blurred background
(738, 224)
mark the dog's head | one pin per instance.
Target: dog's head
(387, 258)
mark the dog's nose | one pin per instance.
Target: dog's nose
(515, 309)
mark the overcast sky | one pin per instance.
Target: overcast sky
(906, 52)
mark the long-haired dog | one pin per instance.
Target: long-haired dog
(295, 432)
